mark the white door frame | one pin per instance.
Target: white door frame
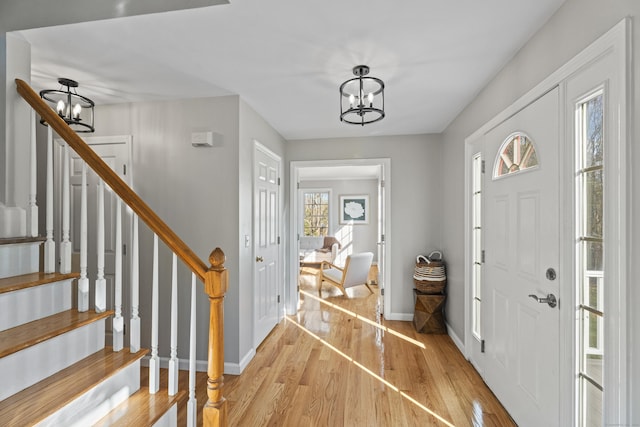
(291, 299)
(617, 401)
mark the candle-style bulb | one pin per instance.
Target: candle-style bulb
(352, 100)
(77, 109)
(370, 98)
(60, 107)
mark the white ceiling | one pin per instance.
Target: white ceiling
(286, 58)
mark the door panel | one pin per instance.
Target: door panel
(267, 248)
(520, 237)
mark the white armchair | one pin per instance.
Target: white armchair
(354, 273)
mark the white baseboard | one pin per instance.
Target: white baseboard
(405, 317)
(201, 365)
(183, 364)
(237, 368)
(456, 340)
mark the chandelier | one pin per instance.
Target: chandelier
(76, 110)
(361, 98)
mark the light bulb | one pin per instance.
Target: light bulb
(60, 107)
(352, 100)
(370, 97)
(77, 109)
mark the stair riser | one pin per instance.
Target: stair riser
(169, 419)
(31, 365)
(96, 403)
(27, 305)
(19, 258)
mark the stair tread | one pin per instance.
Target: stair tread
(142, 408)
(26, 335)
(18, 240)
(16, 283)
(43, 399)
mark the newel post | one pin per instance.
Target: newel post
(215, 285)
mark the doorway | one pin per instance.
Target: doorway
(321, 174)
(116, 152)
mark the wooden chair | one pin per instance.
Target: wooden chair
(354, 273)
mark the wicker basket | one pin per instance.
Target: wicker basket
(430, 286)
(429, 275)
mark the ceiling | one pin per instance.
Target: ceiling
(286, 58)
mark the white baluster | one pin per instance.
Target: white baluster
(49, 244)
(32, 210)
(134, 337)
(192, 404)
(154, 362)
(65, 246)
(173, 360)
(101, 283)
(83, 282)
(118, 320)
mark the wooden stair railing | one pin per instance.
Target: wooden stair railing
(215, 278)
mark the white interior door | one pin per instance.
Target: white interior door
(115, 151)
(521, 224)
(266, 242)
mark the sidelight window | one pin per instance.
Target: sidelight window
(476, 237)
(591, 273)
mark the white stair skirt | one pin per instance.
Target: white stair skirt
(33, 364)
(27, 305)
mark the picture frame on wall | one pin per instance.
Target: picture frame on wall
(354, 209)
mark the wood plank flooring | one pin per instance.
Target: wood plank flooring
(338, 363)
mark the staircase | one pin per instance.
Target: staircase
(55, 368)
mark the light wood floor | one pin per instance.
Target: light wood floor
(338, 363)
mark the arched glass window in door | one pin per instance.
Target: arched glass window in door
(517, 153)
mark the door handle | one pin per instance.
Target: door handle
(550, 299)
(259, 259)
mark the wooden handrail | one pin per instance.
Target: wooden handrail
(215, 278)
(153, 221)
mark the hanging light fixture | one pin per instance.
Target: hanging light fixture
(361, 98)
(76, 110)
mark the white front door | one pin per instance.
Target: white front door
(266, 231)
(521, 244)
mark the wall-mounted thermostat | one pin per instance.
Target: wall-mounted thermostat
(202, 139)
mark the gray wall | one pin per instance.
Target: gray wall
(183, 185)
(252, 128)
(416, 188)
(204, 194)
(576, 24)
(364, 236)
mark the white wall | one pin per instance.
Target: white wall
(576, 24)
(416, 188)
(364, 237)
